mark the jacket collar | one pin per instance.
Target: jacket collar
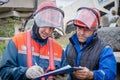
(74, 39)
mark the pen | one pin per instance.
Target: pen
(35, 62)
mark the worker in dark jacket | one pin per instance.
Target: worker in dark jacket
(87, 50)
(33, 53)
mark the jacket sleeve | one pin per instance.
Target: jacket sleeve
(9, 69)
(107, 65)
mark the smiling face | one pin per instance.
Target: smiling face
(45, 32)
(84, 33)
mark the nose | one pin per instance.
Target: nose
(82, 31)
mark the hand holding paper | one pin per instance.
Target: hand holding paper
(64, 70)
(34, 72)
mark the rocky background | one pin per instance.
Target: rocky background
(111, 35)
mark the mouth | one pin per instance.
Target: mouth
(82, 38)
(44, 36)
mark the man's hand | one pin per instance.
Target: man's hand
(83, 74)
(34, 72)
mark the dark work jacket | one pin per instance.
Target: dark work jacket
(89, 56)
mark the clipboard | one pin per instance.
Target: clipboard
(63, 70)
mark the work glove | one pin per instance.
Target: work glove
(34, 72)
(61, 77)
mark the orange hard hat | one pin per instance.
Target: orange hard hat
(49, 15)
(87, 17)
(42, 5)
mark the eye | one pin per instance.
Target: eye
(52, 28)
(84, 28)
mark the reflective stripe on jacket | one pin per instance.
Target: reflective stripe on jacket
(14, 62)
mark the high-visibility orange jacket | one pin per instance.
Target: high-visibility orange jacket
(14, 63)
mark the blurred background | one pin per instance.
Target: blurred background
(16, 17)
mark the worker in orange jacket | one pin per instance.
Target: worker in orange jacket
(32, 53)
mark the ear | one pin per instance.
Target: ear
(95, 31)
